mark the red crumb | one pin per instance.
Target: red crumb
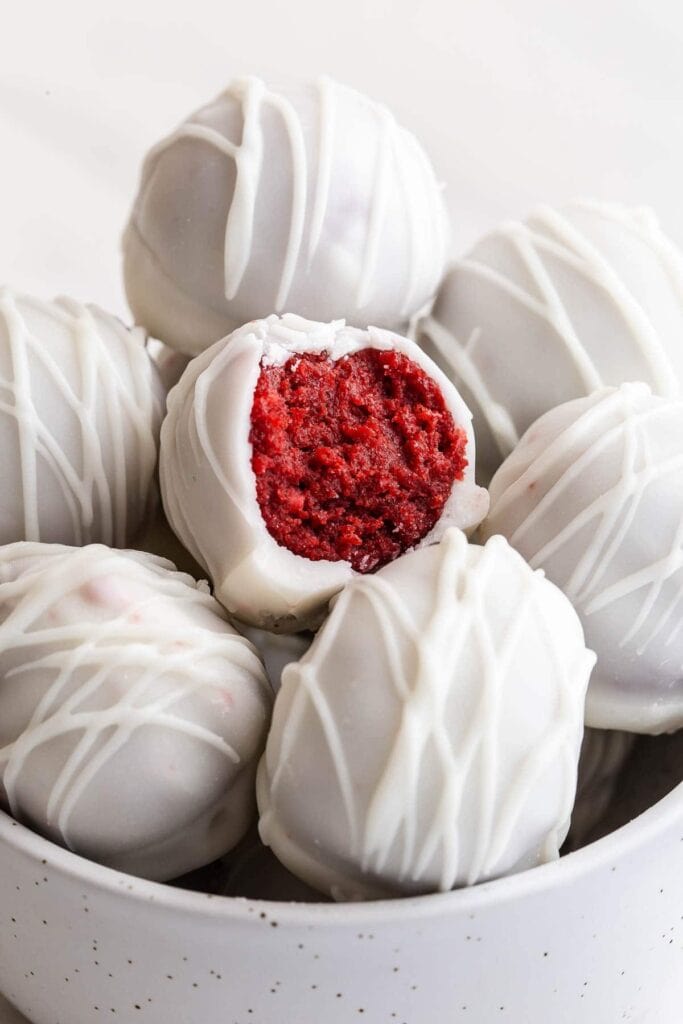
(355, 458)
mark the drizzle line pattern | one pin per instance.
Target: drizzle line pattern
(624, 427)
(386, 824)
(102, 382)
(400, 168)
(551, 236)
(85, 664)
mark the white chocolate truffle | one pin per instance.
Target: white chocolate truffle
(593, 495)
(132, 714)
(430, 736)
(308, 199)
(603, 756)
(80, 411)
(209, 489)
(551, 309)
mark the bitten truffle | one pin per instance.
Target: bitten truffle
(296, 454)
(429, 738)
(593, 495)
(132, 715)
(553, 308)
(308, 197)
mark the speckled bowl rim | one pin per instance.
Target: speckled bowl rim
(562, 872)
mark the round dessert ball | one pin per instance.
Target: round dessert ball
(603, 755)
(593, 495)
(132, 715)
(430, 736)
(553, 308)
(80, 410)
(308, 198)
(297, 454)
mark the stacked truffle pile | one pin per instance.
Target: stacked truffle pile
(386, 665)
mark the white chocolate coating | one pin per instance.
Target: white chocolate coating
(553, 308)
(131, 713)
(593, 495)
(209, 489)
(603, 755)
(80, 411)
(430, 736)
(310, 199)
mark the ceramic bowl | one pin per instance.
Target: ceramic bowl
(595, 938)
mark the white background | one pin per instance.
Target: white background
(518, 101)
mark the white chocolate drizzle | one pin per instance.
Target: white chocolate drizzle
(608, 513)
(459, 357)
(550, 233)
(137, 642)
(393, 814)
(111, 396)
(326, 128)
(312, 162)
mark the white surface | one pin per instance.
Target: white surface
(516, 103)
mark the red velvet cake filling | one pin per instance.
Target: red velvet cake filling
(354, 458)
